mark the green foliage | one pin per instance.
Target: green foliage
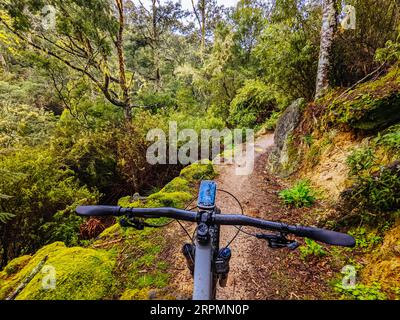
(379, 193)
(370, 106)
(300, 195)
(361, 292)
(252, 105)
(365, 239)
(40, 186)
(390, 139)
(311, 248)
(272, 121)
(390, 53)
(354, 51)
(308, 139)
(23, 124)
(360, 159)
(287, 52)
(376, 191)
(5, 216)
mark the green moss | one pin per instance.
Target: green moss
(198, 171)
(372, 105)
(80, 274)
(112, 232)
(15, 265)
(176, 184)
(177, 192)
(136, 294)
(171, 199)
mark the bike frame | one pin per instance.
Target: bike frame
(205, 278)
(204, 284)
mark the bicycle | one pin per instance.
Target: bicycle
(207, 262)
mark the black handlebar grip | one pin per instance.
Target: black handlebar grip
(326, 236)
(88, 211)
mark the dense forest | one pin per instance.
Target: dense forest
(83, 82)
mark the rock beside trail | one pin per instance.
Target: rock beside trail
(282, 159)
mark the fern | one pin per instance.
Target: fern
(5, 216)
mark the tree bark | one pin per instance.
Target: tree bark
(203, 26)
(28, 279)
(121, 62)
(329, 24)
(156, 58)
(201, 19)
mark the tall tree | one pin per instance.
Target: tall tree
(329, 24)
(208, 14)
(88, 37)
(154, 27)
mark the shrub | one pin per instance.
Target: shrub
(39, 186)
(390, 139)
(24, 125)
(272, 121)
(300, 195)
(361, 292)
(252, 105)
(311, 248)
(378, 192)
(360, 159)
(365, 239)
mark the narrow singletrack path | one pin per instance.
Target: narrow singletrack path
(256, 271)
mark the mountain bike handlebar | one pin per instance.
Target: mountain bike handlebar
(322, 235)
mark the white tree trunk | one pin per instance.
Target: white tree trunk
(329, 24)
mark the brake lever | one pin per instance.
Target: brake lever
(279, 241)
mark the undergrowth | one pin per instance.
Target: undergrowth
(300, 195)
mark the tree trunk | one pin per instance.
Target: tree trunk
(202, 20)
(121, 62)
(329, 24)
(203, 26)
(156, 58)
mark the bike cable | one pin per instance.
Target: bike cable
(242, 212)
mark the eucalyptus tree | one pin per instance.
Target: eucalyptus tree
(86, 36)
(329, 24)
(156, 30)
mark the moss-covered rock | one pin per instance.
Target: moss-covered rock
(370, 106)
(177, 192)
(80, 273)
(16, 265)
(93, 273)
(284, 157)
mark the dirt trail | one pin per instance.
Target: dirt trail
(258, 272)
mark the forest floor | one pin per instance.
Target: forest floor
(256, 271)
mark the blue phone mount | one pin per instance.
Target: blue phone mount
(207, 194)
